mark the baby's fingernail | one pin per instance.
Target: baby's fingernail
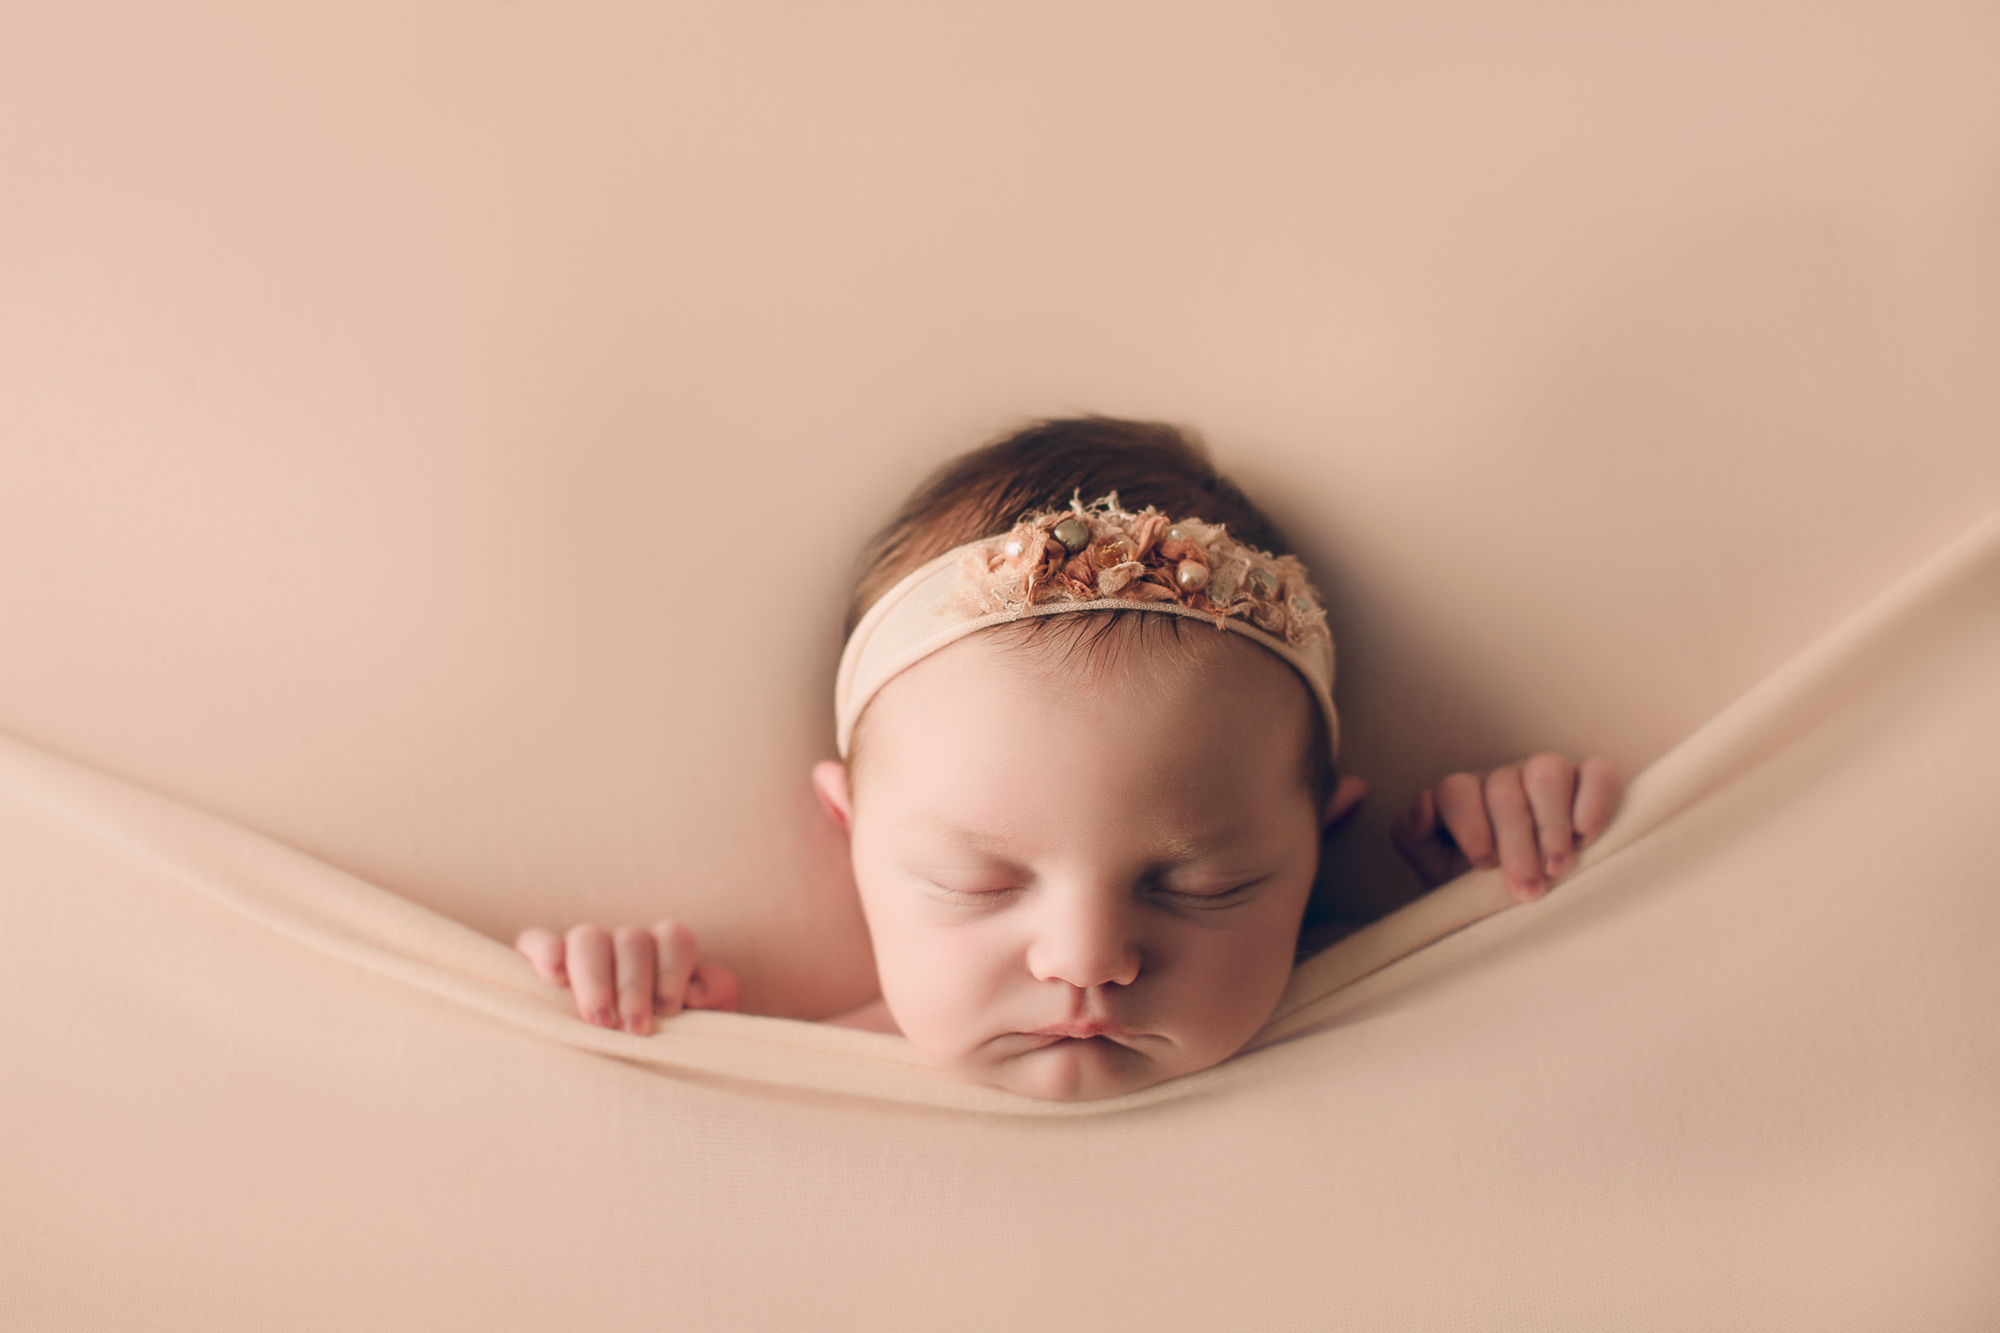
(1556, 864)
(604, 1018)
(635, 1024)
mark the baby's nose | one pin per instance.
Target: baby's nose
(1083, 942)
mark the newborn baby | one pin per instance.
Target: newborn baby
(1090, 759)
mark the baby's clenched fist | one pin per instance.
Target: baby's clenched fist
(619, 976)
(1529, 819)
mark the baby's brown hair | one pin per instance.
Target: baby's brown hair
(1041, 466)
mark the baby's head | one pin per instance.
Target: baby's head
(1107, 820)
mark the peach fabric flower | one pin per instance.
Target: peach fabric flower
(1030, 566)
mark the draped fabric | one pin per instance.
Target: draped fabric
(1741, 1071)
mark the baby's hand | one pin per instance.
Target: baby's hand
(617, 975)
(1528, 818)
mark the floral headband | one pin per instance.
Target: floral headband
(1095, 557)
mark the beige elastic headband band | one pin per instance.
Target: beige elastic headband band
(1095, 557)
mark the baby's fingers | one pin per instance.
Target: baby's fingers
(712, 986)
(1598, 791)
(677, 964)
(543, 948)
(1550, 781)
(1425, 844)
(1461, 803)
(633, 949)
(1514, 831)
(591, 974)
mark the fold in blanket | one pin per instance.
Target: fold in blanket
(1740, 1069)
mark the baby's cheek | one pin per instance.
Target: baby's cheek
(941, 989)
(1233, 992)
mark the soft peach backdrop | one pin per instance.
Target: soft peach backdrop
(436, 434)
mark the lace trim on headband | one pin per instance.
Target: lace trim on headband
(1091, 552)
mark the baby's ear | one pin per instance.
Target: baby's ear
(1347, 796)
(830, 781)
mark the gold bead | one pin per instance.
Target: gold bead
(1072, 534)
(1114, 551)
(1192, 575)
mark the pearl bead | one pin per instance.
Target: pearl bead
(1177, 533)
(1011, 549)
(1072, 534)
(1192, 575)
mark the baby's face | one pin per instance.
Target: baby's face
(1125, 849)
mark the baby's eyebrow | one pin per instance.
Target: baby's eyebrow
(979, 841)
(992, 844)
